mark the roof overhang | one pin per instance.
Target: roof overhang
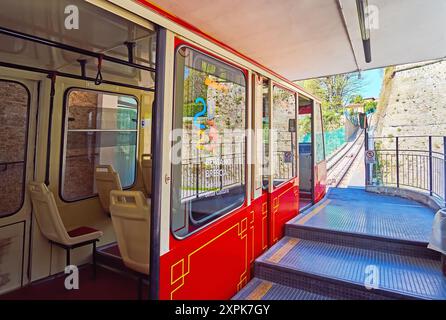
(302, 39)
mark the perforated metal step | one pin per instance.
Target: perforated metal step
(355, 211)
(336, 270)
(258, 289)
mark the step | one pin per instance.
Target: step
(335, 270)
(360, 240)
(109, 256)
(258, 289)
(353, 217)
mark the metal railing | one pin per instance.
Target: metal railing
(409, 161)
(202, 175)
(4, 165)
(284, 165)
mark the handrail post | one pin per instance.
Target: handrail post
(221, 166)
(430, 166)
(444, 169)
(197, 175)
(367, 166)
(397, 163)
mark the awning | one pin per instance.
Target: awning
(303, 39)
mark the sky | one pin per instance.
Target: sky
(372, 80)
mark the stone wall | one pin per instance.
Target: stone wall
(414, 104)
(81, 150)
(412, 107)
(14, 122)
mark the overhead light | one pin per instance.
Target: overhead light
(364, 24)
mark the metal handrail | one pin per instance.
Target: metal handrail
(419, 169)
(4, 165)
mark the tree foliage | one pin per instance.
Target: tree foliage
(335, 93)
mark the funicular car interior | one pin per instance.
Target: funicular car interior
(73, 136)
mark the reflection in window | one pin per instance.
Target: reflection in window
(318, 134)
(208, 178)
(284, 135)
(14, 102)
(101, 129)
(262, 97)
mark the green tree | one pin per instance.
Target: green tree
(357, 99)
(335, 92)
(370, 106)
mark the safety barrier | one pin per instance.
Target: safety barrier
(416, 162)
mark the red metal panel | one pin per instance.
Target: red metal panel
(320, 177)
(307, 109)
(283, 206)
(216, 262)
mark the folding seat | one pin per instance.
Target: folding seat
(107, 179)
(52, 227)
(130, 213)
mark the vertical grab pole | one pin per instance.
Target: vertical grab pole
(444, 169)
(197, 175)
(367, 166)
(430, 166)
(221, 166)
(52, 77)
(397, 163)
(157, 179)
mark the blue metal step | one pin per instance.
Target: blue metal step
(341, 272)
(396, 246)
(353, 217)
(258, 289)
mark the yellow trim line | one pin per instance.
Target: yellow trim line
(279, 254)
(259, 292)
(313, 213)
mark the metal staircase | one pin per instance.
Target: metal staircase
(339, 250)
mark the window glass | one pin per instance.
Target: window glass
(101, 129)
(208, 151)
(284, 135)
(318, 134)
(265, 125)
(14, 105)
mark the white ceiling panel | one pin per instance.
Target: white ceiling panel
(310, 38)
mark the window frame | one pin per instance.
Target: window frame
(25, 156)
(179, 44)
(296, 142)
(63, 146)
(317, 105)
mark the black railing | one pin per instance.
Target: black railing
(4, 165)
(409, 161)
(284, 169)
(205, 174)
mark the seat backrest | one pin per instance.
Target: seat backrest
(146, 170)
(130, 215)
(107, 179)
(47, 213)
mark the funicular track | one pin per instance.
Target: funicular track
(340, 165)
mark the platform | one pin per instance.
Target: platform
(331, 249)
(354, 210)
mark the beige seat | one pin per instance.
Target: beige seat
(146, 170)
(107, 179)
(130, 213)
(52, 227)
